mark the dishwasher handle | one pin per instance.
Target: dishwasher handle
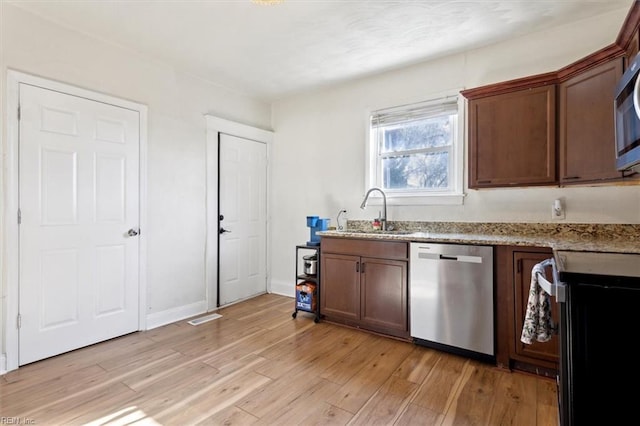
(462, 258)
(457, 258)
(445, 257)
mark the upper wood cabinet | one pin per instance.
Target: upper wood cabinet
(512, 138)
(520, 136)
(523, 133)
(586, 127)
(632, 49)
(628, 39)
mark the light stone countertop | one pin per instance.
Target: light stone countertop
(613, 238)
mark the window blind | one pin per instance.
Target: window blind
(412, 112)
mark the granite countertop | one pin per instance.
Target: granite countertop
(613, 238)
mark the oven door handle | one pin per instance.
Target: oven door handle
(556, 288)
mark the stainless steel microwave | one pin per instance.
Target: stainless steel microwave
(627, 117)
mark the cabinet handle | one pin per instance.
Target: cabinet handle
(571, 177)
(484, 181)
(357, 266)
(362, 269)
(519, 265)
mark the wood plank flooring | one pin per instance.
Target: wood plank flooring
(257, 366)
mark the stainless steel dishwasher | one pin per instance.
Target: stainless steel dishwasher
(451, 298)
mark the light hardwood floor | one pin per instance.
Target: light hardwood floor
(257, 365)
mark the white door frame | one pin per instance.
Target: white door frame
(12, 235)
(215, 126)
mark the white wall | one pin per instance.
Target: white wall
(176, 140)
(318, 158)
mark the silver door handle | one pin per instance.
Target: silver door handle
(132, 232)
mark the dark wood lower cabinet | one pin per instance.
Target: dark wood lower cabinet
(340, 288)
(365, 285)
(383, 294)
(513, 281)
(545, 353)
(368, 292)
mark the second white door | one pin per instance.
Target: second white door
(242, 219)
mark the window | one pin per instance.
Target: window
(415, 149)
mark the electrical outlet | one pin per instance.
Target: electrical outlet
(557, 210)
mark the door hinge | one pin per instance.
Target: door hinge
(19, 321)
(19, 216)
(19, 115)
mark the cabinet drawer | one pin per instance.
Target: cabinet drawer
(365, 248)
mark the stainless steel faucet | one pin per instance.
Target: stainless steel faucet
(383, 219)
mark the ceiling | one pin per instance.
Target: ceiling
(269, 52)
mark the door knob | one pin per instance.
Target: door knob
(222, 231)
(132, 232)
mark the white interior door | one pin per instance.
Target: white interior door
(79, 204)
(242, 224)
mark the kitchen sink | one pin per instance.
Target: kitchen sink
(378, 232)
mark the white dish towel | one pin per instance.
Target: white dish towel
(538, 325)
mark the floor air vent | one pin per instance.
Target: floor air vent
(206, 318)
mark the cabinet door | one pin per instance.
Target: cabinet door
(586, 126)
(547, 351)
(340, 287)
(632, 50)
(383, 302)
(512, 139)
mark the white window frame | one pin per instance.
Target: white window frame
(454, 195)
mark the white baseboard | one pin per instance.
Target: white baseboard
(3, 364)
(168, 316)
(283, 288)
(158, 319)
